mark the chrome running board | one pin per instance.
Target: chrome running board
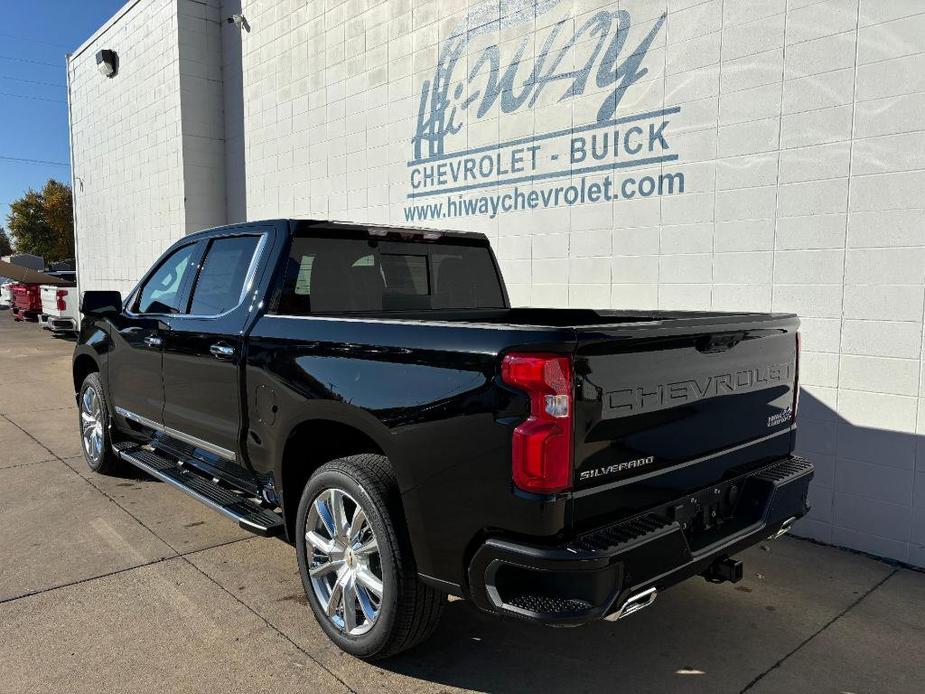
(248, 513)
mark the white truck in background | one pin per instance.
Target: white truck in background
(60, 306)
(6, 293)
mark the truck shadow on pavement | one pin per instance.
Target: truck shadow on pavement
(711, 638)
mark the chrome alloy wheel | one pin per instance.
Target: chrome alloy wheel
(343, 562)
(91, 424)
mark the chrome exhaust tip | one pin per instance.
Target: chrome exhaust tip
(634, 603)
(784, 528)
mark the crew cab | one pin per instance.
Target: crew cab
(369, 394)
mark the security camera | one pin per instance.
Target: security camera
(236, 19)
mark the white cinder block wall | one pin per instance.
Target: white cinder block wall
(798, 127)
(126, 146)
(203, 123)
(148, 146)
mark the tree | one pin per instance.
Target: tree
(6, 248)
(43, 222)
(59, 213)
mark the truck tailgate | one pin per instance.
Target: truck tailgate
(50, 300)
(670, 407)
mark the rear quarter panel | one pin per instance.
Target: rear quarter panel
(428, 394)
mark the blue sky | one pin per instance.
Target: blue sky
(35, 36)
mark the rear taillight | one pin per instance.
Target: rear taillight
(542, 445)
(59, 299)
(796, 382)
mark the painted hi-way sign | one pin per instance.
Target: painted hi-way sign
(588, 57)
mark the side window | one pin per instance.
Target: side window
(220, 285)
(161, 293)
(331, 275)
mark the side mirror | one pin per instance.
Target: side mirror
(100, 304)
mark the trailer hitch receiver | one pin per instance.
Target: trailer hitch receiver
(724, 569)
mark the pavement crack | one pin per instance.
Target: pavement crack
(131, 515)
(116, 572)
(34, 462)
(198, 550)
(816, 633)
(33, 438)
(88, 579)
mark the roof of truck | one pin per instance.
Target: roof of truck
(376, 226)
(356, 226)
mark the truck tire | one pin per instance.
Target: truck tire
(93, 420)
(352, 544)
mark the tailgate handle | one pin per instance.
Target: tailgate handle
(719, 343)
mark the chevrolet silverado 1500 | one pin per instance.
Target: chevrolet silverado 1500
(60, 312)
(369, 394)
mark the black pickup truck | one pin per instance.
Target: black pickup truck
(369, 394)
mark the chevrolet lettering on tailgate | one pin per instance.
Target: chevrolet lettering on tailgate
(651, 397)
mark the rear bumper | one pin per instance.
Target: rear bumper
(20, 313)
(59, 325)
(597, 574)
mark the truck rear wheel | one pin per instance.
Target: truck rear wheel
(93, 419)
(356, 562)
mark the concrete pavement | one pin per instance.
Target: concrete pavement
(124, 584)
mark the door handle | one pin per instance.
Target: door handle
(153, 341)
(222, 351)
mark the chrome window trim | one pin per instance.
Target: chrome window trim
(136, 291)
(175, 433)
(250, 276)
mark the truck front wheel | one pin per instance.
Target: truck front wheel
(356, 562)
(94, 426)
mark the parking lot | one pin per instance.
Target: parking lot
(124, 584)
